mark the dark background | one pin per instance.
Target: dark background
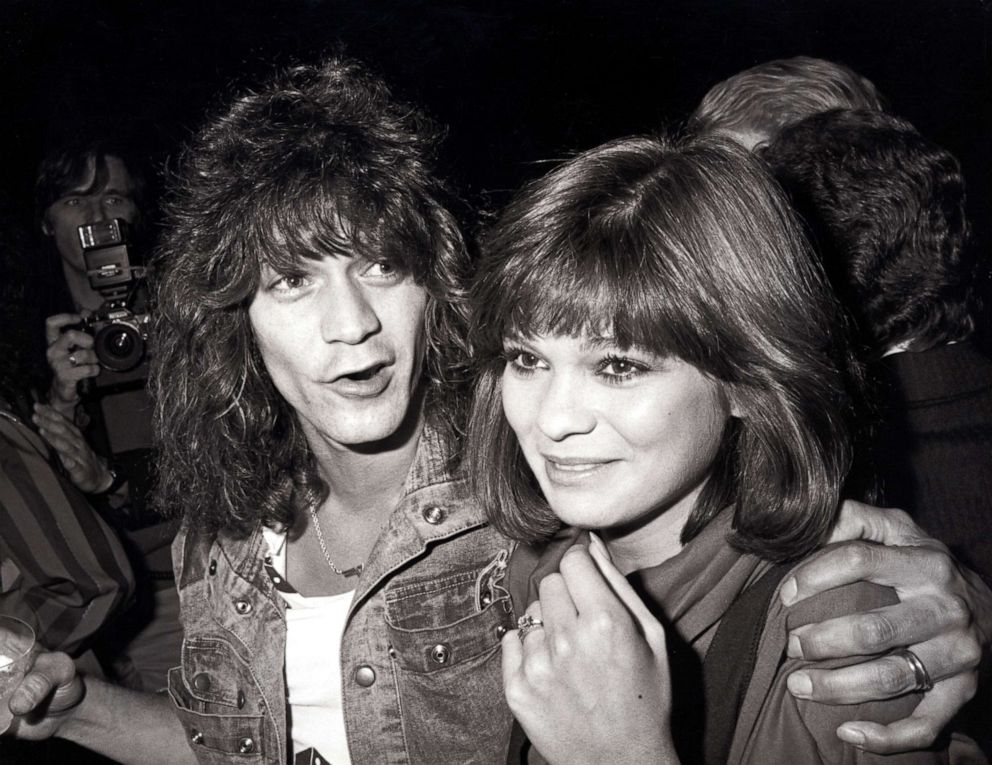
(516, 82)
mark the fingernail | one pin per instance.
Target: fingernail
(787, 593)
(851, 735)
(795, 649)
(595, 541)
(800, 685)
(18, 706)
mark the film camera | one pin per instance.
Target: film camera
(120, 327)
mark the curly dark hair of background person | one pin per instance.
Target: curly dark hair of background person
(886, 208)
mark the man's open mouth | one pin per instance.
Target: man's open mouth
(363, 374)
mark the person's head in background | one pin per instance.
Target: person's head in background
(79, 183)
(752, 106)
(886, 209)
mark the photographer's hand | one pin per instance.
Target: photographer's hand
(88, 471)
(71, 357)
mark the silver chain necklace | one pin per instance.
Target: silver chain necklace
(353, 571)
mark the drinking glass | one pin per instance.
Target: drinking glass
(16, 642)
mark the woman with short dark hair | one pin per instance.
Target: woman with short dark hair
(662, 361)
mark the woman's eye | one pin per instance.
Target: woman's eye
(523, 361)
(527, 360)
(617, 368)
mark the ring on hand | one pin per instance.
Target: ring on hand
(920, 674)
(72, 359)
(526, 623)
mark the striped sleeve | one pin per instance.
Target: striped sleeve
(64, 569)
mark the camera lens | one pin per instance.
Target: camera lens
(119, 347)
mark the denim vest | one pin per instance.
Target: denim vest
(420, 654)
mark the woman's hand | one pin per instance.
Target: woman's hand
(71, 357)
(87, 470)
(591, 685)
(944, 616)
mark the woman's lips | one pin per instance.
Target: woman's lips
(570, 471)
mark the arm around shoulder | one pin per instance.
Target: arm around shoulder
(942, 616)
(808, 731)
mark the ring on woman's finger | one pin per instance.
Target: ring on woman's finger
(923, 681)
(527, 623)
(73, 360)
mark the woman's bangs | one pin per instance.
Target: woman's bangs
(553, 304)
(568, 295)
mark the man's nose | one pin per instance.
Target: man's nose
(563, 409)
(349, 317)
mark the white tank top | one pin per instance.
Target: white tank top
(314, 628)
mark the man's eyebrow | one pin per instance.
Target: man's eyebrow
(117, 192)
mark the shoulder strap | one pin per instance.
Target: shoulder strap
(730, 662)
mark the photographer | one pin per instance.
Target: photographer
(89, 199)
(79, 187)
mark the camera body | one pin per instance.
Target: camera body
(120, 327)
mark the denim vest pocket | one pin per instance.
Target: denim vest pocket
(439, 623)
(216, 707)
(444, 636)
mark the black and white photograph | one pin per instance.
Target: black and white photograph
(561, 382)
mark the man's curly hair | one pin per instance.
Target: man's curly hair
(321, 161)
